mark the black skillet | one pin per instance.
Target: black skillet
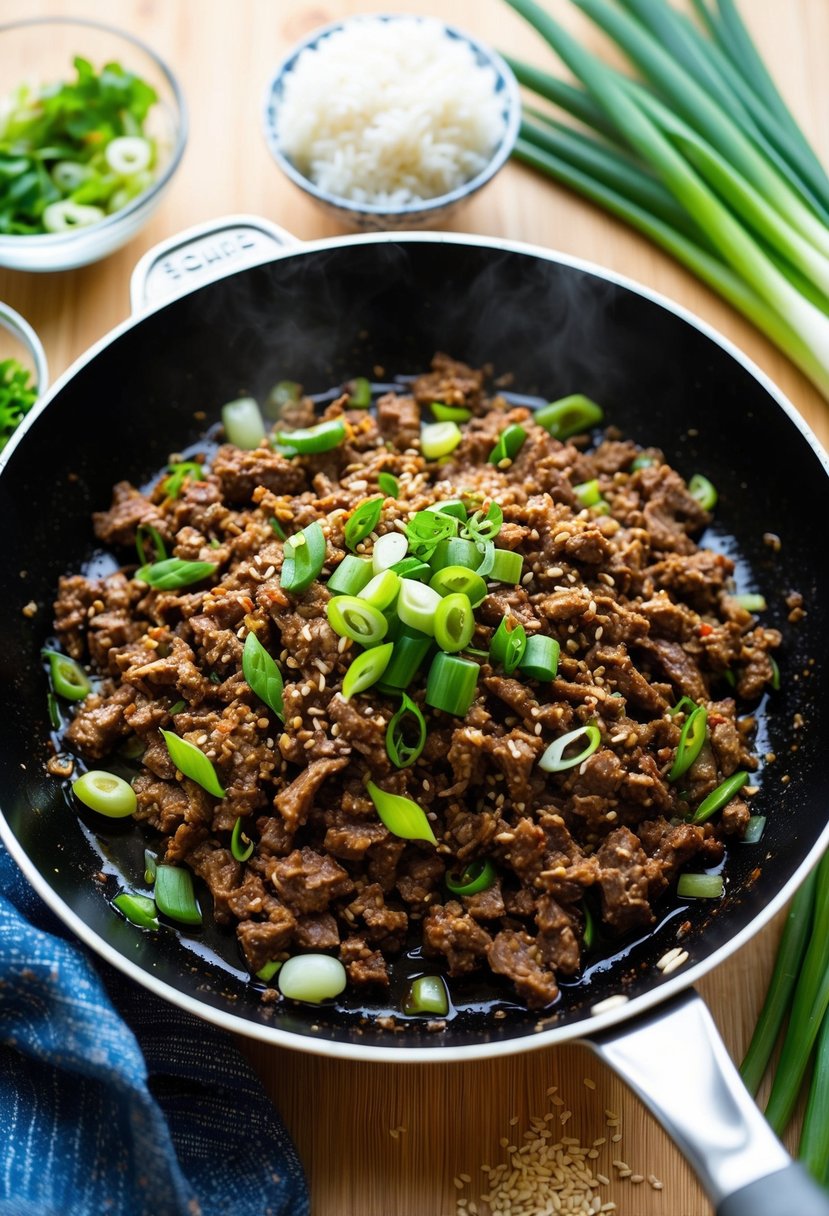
(377, 306)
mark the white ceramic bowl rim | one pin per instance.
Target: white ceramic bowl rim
(483, 52)
(45, 239)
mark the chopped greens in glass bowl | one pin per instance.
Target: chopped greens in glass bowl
(23, 371)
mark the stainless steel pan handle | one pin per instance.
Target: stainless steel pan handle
(675, 1060)
(202, 254)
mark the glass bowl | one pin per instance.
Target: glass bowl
(19, 341)
(425, 213)
(41, 51)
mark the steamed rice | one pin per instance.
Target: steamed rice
(389, 112)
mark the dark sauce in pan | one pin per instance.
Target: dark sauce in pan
(119, 846)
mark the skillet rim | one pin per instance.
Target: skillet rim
(531, 1039)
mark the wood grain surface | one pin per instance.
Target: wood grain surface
(346, 1118)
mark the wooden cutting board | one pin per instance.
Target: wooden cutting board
(390, 1140)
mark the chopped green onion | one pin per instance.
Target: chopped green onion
(400, 815)
(351, 576)
(476, 876)
(268, 971)
(389, 484)
(69, 680)
(508, 644)
(449, 413)
(366, 670)
(128, 154)
(589, 934)
(382, 590)
(439, 439)
(243, 423)
(193, 763)
(691, 739)
(389, 549)
(703, 491)
(277, 528)
(685, 705)
(150, 866)
(312, 977)
(426, 529)
(66, 216)
(105, 793)
(754, 829)
(775, 673)
(54, 712)
(719, 797)
(354, 618)
(510, 442)
(455, 551)
(303, 557)
(451, 684)
(426, 994)
(412, 567)
(507, 567)
(641, 462)
(241, 845)
(540, 657)
(139, 910)
(450, 506)
(700, 886)
(177, 707)
(311, 440)
(452, 580)
(454, 623)
(573, 415)
(554, 761)
(588, 492)
(284, 392)
(173, 573)
(185, 470)
(484, 525)
(359, 393)
(262, 674)
(487, 550)
(149, 545)
(417, 605)
(751, 603)
(364, 520)
(410, 649)
(174, 895)
(400, 752)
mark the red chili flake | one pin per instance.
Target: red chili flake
(705, 629)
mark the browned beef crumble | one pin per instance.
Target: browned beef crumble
(643, 617)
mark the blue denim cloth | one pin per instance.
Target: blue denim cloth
(113, 1103)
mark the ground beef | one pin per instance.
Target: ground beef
(642, 617)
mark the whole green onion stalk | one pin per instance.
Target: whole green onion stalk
(699, 153)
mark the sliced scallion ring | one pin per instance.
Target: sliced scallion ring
(105, 793)
(303, 558)
(382, 590)
(700, 886)
(439, 439)
(410, 649)
(407, 721)
(402, 816)
(510, 442)
(363, 521)
(351, 617)
(450, 506)
(449, 413)
(412, 567)
(69, 680)
(128, 154)
(754, 829)
(508, 644)
(417, 605)
(243, 424)
(66, 215)
(703, 491)
(427, 995)
(554, 761)
(426, 529)
(569, 416)
(389, 549)
(241, 845)
(312, 977)
(451, 580)
(477, 876)
(174, 895)
(540, 657)
(455, 551)
(454, 623)
(311, 440)
(507, 567)
(359, 393)
(484, 525)
(351, 576)
(366, 669)
(751, 603)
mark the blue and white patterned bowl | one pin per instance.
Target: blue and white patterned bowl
(427, 213)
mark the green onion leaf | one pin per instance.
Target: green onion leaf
(310, 441)
(366, 670)
(589, 934)
(359, 393)
(540, 657)
(354, 618)
(573, 415)
(588, 493)
(407, 719)
(451, 684)
(700, 886)
(173, 573)
(754, 829)
(483, 526)
(268, 971)
(241, 845)
(69, 680)
(510, 442)
(174, 895)
(185, 470)
(506, 567)
(685, 705)
(149, 545)
(243, 423)
(389, 484)
(458, 580)
(150, 866)
(192, 763)
(105, 793)
(303, 558)
(54, 712)
(450, 506)
(508, 644)
(400, 815)
(262, 674)
(691, 739)
(412, 567)
(410, 649)
(719, 797)
(139, 910)
(476, 876)
(427, 994)
(455, 551)
(426, 529)
(449, 413)
(277, 528)
(703, 491)
(351, 576)
(439, 439)
(363, 521)
(554, 761)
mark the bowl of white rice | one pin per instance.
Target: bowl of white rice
(391, 121)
